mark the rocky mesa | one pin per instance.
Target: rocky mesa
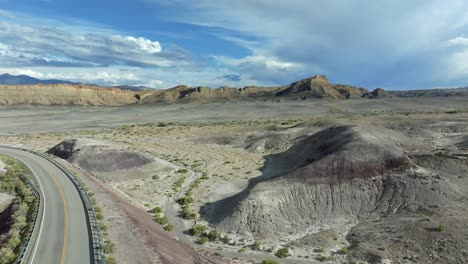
(65, 94)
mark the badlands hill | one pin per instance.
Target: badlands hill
(108, 161)
(339, 176)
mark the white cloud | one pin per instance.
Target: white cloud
(143, 44)
(361, 41)
(7, 14)
(458, 41)
(39, 46)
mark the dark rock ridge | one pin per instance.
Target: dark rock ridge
(377, 93)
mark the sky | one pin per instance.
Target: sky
(393, 44)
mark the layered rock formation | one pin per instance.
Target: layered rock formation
(65, 94)
(319, 87)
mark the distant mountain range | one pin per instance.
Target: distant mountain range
(8, 79)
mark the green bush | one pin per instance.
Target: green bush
(162, 220)
(344, 250)
(109, 247)
(169, 227)
(203, 240)
(270, 261)
(156, 210)
(185, 200)
(441, 228)
(197, 230)
(182, 171)
(111, 260)
(256, 245)
(282, 253)
(214, 235)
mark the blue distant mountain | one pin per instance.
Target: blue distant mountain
(8, 79)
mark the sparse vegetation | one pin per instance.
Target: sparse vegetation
(270, 261)
(185, 200)
(214, 235)
(344, 250)
(256, 245)
(111, 260)
(109, 247)
(197, 230)
(178, 184)
(24, 206)
(169, 227)
(282, 253)
(441, 228)
(325, 258)
(203, 240)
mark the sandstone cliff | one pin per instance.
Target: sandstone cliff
(65, 94)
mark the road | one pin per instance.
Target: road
(62, 236)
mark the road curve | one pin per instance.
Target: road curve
(62, 234)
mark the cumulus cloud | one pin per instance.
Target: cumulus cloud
(457, 41)
(143, 44)
(360, 42)
(39, 46)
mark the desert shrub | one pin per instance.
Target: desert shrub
(214, 235)
(99, 216)
(103, 227)
(156, 210)
(203, 240)
(256, 245)
(162, 220)
(197, 230)
(169, 227)
(109, 247)
(325, 258)
(270, 261)
(185, 200)
(441, 228)
(111, 260)
(182, 171)
(187, 213)
(344, 250)
(282, 253)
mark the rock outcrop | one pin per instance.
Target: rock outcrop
(319, 87)
(376, 93)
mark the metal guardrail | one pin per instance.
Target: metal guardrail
(26, 244)
(93, 223)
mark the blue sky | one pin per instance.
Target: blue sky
(395, 44)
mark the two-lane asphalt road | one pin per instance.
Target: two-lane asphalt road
(62, 234)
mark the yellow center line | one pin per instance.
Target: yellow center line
(65, 207)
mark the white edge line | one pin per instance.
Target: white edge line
(43, 210)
